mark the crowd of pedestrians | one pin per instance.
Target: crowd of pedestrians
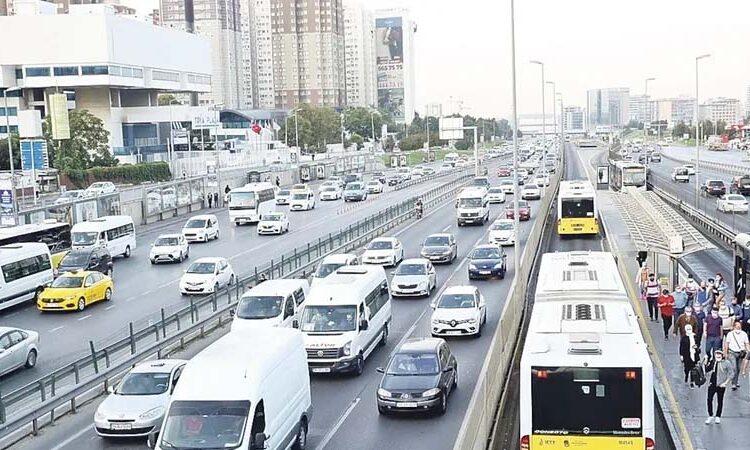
(713, 332)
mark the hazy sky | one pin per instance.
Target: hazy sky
(463, 49)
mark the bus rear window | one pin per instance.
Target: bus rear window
(586, 401)
(577, 208)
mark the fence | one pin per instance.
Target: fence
(732, 169)
(26, 409)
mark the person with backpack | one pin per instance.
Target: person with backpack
(652, 296)
(666, 305)
(689, 354)
(721, 376)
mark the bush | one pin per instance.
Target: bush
(128, 173)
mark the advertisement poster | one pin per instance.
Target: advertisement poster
(58, 111)
(389, 50)
(6, 203)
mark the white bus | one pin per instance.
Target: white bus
(624, 174)
(26, 269)
(55, 234)
(249, 202)
(586, 379)
(576, 208)
(117, 233)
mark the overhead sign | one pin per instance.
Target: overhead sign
(58, 111)
(34, 155)
(451, 128)
(206, 119)
(180, 137)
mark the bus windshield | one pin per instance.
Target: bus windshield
(242, 199)
(606, 401)
(84, 237)
(578, 207)
(259, 307)
(633, 177)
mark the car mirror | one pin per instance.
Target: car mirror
(111, 389)
(363, 325)
(259, 441)
(232, 312)
(380, 370)
(295, 323)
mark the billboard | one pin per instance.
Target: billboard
(58, 111)
(451, 128)
(389, 51)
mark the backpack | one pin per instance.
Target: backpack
(698, 375)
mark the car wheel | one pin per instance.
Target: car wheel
(384, 336)
(30, 359)
(217, 234)
(443, 404)
(300, 441)
(127, 252)
(108, 295)
(231, 280)
(216, 288)
(81, 304)
(187, 253)
(382, 410)
(152, 261)
(360, 367)
(455, 378)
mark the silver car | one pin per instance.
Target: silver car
(18, 348)
(136, 406)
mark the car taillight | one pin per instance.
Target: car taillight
(650, 444)
(525, 442)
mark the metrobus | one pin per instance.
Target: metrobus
(249, 202)
(576, 208)
(627, 174)
(586, 379)
(55, 234)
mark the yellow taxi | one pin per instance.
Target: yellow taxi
(74, 291)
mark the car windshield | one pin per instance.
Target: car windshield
(413, 364)
(75, 259)
(735, 197)
(329, 319)
(716, 183)
(205, 424)
(470, 202)
(506, 183)
(83, 237)
(495, 190)
(271, 217)
(166, 242)
(284, 192)
(411, 269)
(202, 267)
(326, 269)
(67, 282)
(454, 301)
(259, 307)
(299, 196)
(504, 226)
(436, 241)
(380, 245)
(329, 189)
(485, 253)
(196, 223)
(149, 383)
(353, 187)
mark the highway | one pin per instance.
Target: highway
(345, 414)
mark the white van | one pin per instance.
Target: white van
(199, 228)
(273, 303)
(240, 396)
(472, 206)
(347, 315)
(117, 233)
(302, 200)
(26, 270)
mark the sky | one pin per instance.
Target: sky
(463, 51)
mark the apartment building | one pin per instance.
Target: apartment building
(359, 55)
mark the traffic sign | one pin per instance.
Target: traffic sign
(34, 154)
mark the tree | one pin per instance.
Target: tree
(413, 142)
(364, 121)
(167, 99)
(357, 139)
(87, 147)
(389, 144)
(4, 163)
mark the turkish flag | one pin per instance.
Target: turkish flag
(256, 128)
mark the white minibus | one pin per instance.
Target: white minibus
(26, 269)
(273, 303)
(117, 233)
(472, 206)
(249, 202)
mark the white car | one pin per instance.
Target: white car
(332, 262)
(302, 200)
(206, 276)
(734, 203)
(201, 228)
(541, 180)
(680, 175)
(283, 196)
(169, 248)
(337, 180)
(330, 192)
(383, 251)
(496, 194)
(374, 187)
(507, 186)
(413, 277)
(502, 232)
(19, 349)
(136, 405)
(690, 168)
(531, 192)
(417, 173)
(273, 223)
(460, 311)
(100, 188)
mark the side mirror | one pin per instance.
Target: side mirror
(380, 370)
(259, 441)
(363, 325)
(151, 440)
(111, 389)
(295, 323)
(232, 312)
(447, 369)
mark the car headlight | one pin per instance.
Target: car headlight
(152, 413)
(347, 349)
(473, 266)
(499, 266)
(99, 416)
(383, 393)
(434, 392)
(472, 321)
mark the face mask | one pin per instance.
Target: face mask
(719, 358)
(688, 313)
(714, 314)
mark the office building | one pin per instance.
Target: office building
(219, 22)
(574, 119)
(747, 101)
(641, 108)
(395, 58)
(63, 6)
(359, 55)
(722, 109)
(308, 52)
(674, 110)
(608, 109)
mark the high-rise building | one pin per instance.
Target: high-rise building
(394, 53)
(308, 52)
(674, 110)
(359, 55)
(608, 109)
(574, 119)
(220, 23)
(722, 109)
(641, 108)
(257, 46)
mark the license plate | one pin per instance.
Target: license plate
(453, 332)
(485, 272)
(121, 426)
(321, 370)
(406, 404)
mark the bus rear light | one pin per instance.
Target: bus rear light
(542, 374)
(525, 442)
(631, 375)
(650, 445)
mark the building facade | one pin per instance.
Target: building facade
(574, 119)
(359, 55)
(608, 109)
(219, 22)
(257, 48)
(308, 52)
(674, 110)
(395, 58)
(641, 108)
(722, 109)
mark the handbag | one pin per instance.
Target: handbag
(698, 375)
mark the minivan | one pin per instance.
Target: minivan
(273, 303)
(472, 206)
(117, 233)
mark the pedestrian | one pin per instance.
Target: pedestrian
(711, 292)
(701, 297)
(736, 309)
(278, 181)
(721, 374)
(210, 201)
(680, 301)
(642, 278)
(685, 319)
(216, 199)
(689, 354)
(736, 347)
(666, 307)
(712, 332)
(227, 189)
(700, 318)
(691, 288)
(721, 284)
(727, 319)
(745, 316)
(652, 296)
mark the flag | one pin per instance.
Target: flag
(275, 125)
(256, 128)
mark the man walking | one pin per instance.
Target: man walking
(680, 301)
(686, 318)
(652, 296)
(736, 346)
(666, 306)
(712, 332)
(721, 374)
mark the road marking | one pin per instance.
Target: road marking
(109, 307)
(447, 228)
(437, 208)
(56, 329)
(72, 438)
(327, 438)
(85, 317)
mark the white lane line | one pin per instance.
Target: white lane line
(72, 438)
(84, 317)
(56, 329)
(327, 438)
(447, 228)
(109, 307)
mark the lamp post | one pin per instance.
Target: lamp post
(697, 143)
(516, 246)
(554, 129)
(645, 99)
(10, 153)
(171, 137)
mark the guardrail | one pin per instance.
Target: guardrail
(44, 400)
(732, 169)
(477, 428)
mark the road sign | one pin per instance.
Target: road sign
(34, 154)
(451, 128)
(7, 216)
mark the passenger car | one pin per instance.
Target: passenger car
(374, 187)
(440, 247)
(87, 258)
(302, 200)
(330, 192)
(487, 261)
(690, 168)
(74, 291)
(355, 192)
(169, 248)
(740, 185)
(507, 186)
(393, 179)
(415, 276)
(531, 192)
(419, 377)
(502, 232)
(504, 171)
(460, 311)
(735, 203)
(273, 223)
(524, 210)
(135, 406)
(714, 187)
(496, 194)
(206, 275)
(18, 348)
(201, 228)
(283, 196)
(100, 188)
(383, 251)
(680, 175)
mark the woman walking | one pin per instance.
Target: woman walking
(689, 353)
(721, 375)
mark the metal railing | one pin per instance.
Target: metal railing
(732, 169)
(24, 410)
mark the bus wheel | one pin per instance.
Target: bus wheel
(127, 252)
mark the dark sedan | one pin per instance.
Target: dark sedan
(90, 258)
(419, 377)
(487, 261)
(716, 188)
(440, 248)
(524, 211)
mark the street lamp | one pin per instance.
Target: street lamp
(562, 123)
(554, 129)
(697, 144)
(516, 246)
(544, 119)
(10, 153)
